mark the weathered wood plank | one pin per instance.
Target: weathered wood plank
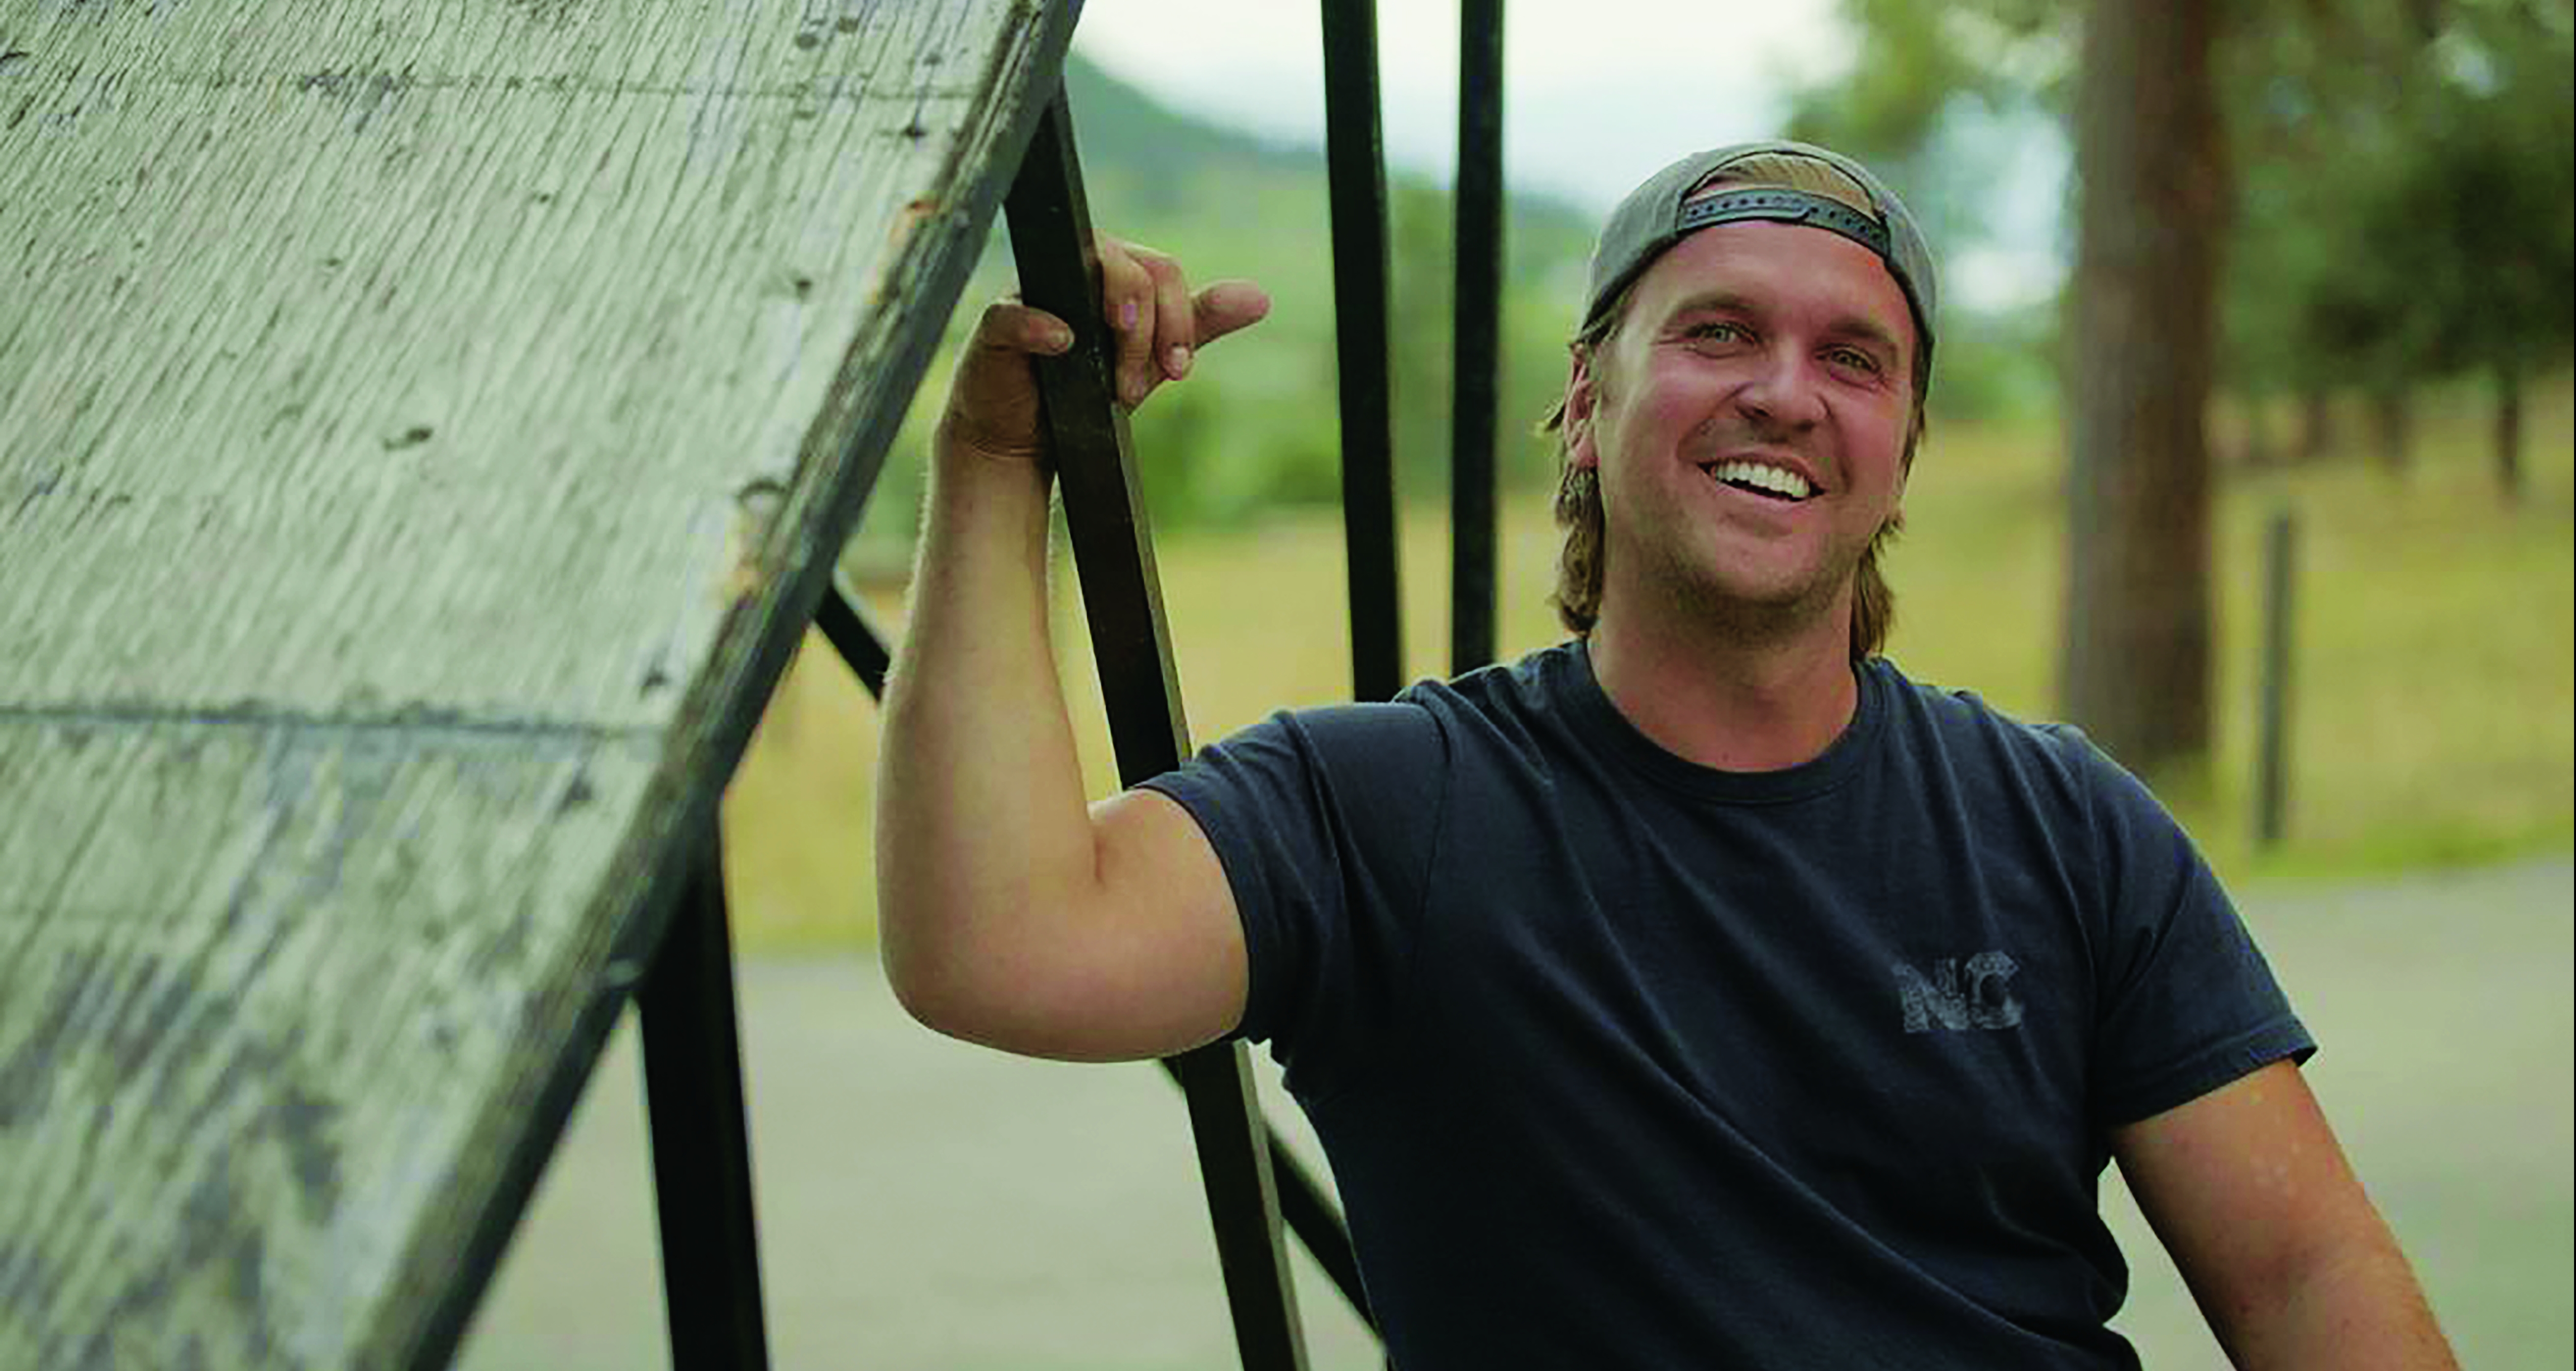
(411, 291)
(423, 430)
(265, 976)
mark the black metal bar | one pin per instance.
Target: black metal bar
(1113, 552)
(846, 625)
(1309, 1212)
(1356, 165)
(1314, 1219)
(1476, 305)
(701, 1146)
(1234, 1150)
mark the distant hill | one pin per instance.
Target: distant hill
(1118, 126)
(1160, 153)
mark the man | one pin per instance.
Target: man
(1699, 992)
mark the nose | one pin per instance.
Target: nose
(1781, 393)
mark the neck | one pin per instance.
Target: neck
(1711, 694)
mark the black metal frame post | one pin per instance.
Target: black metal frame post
(1356, 165)
(851, 635)
(1476, 305)
(1050, 226)
(700, 1139)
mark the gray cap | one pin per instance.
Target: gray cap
(1661, 212)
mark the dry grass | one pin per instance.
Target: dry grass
(2435, 718)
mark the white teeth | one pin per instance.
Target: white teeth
(1777, 479)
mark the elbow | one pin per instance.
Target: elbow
(936, 1007)
(926, 945)
(950, 991)
(924, 983)
(1010, 1003)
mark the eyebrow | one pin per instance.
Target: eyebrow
(1846, 326)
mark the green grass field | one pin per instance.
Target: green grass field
(2434, 715)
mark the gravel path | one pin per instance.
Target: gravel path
(926, 1204)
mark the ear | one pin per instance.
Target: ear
(1582, 405)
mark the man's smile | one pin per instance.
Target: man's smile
(1761, 478)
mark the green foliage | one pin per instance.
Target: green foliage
(2402, 198)
(1995, 366)
(2405, 206)
(1920, 78)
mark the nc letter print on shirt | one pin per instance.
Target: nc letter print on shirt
(1944, 999)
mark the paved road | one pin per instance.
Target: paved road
(926, 1204)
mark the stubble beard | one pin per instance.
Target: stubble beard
(1709, 603)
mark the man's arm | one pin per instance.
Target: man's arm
(1008, 912)
(2288, 1259)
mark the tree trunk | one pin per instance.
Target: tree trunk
(2393, 407)
(2508, 432)
(2136, 667)
(2316, 423)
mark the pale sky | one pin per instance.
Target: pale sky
(1592, 103)
(1597, 94)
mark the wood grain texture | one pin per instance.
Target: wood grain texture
(423, 429)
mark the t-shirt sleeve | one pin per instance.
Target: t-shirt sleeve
(1325, 821)
(2187, 1002)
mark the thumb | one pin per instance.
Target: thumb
(1227, 306)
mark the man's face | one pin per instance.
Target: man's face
(1748, 423)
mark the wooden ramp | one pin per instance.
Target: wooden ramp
(424, 431)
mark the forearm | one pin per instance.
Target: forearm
(2287, 1256)
(2357, 1308)
(982, 833)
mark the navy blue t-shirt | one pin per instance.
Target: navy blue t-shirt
(1620, 1061)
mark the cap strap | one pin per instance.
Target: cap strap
(1788, 206)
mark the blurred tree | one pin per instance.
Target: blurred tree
(2406, 203)
(2491, 194)
(2150, 211)
(2361, 196)
(2308, 87)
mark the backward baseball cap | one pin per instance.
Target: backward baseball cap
(1662, 212)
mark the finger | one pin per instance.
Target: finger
(1127, 303)
(1228, 306)
(992, 401)
(1175, 318)
(1010, 326)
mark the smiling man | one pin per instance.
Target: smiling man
(1699, 991)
